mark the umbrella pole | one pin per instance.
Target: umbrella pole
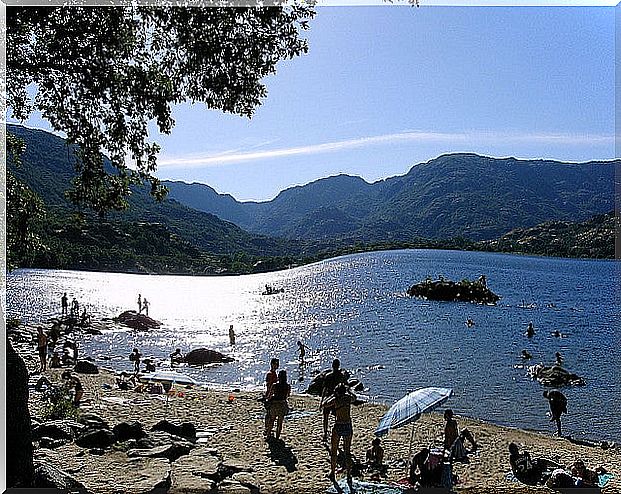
(409, 458)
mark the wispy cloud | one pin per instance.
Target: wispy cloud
(413, 136)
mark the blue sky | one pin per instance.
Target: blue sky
(386, 87)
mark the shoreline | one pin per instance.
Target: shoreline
(233, 437)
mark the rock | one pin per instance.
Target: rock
(186, 430)
(229, 486)
(170, 451)
(56, 429)
(202, 356)
(554, 376)
(97, 451)
(100, 438)
(128, 430)
(85, 367)
(355, 384)
(315, 388)
(198, 468)
(449, 291)
(228, 468)
(247, 480)
(19, 464)
(157, 438)
(47, 476)
(49, 443)
(141, 322)
(93, 421)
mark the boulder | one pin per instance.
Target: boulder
(202, 356)
(555, 376)
(47, 476)
(229, 467)
(157, 438)
(93, 421)
(128, 430)
(247, 480)
(170, 451)
(315, 388)
(186, 430)
(49, 443)
(100, 438)
(141, 322)
(85, 367)
(56, 429)
(229, 486)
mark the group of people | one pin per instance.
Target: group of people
(336, 401)
(46, 345)
(542, 471)
(143, 305)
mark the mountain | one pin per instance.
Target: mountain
(454, 195)
(47, 168)
(594, 238)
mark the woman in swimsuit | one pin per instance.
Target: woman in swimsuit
(340, 402)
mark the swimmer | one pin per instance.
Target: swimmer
(559, 358)
(530, 331)
(526, 355)
(469, 323)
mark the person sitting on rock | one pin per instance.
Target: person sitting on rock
(453, 440)
(375, 459)
(530, 471)
(74, 384)
(85, 318)
(559, 359)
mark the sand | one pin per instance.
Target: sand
(298, 464)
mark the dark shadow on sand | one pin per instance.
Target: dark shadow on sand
(282, 455)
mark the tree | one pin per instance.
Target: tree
(102, 74)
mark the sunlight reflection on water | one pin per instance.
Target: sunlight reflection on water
(355, 307)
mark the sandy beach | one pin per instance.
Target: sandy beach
(231, 433)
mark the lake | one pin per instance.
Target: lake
(355, 308)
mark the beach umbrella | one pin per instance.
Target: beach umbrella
(172, 377)
(409, 409)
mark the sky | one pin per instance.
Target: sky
(386, 87)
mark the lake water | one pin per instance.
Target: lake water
(355, 308)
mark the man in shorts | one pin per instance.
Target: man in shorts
(340, 403)
(558, 406)
(42, 348)
(331, 381)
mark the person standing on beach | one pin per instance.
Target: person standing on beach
(42, 348)
(340, 404)
(330, 382)
(278, 404)
(558, 406)
(139, 303)
(231, 335)
(271, 378)
(135, 358)
(65, 304)
(453, 440)
(145, 306)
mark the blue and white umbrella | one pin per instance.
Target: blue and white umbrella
(408, 409)
(172, 377)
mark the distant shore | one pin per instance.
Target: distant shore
(300, 463)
